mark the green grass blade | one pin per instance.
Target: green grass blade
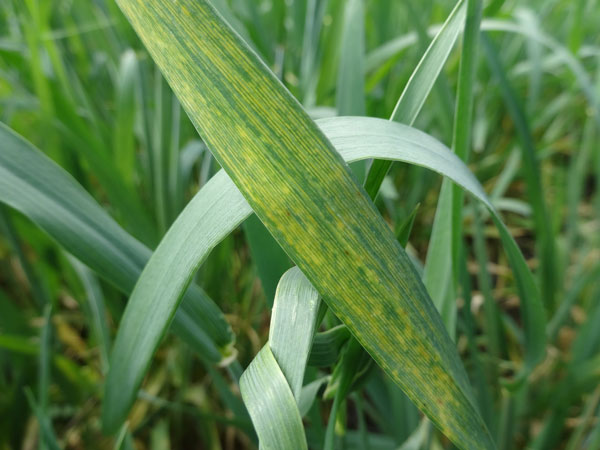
(47, 432)
(293, 322)
(123, 134)
(94, 306)
(461, 138)
(490, 309)
(315, 10)
(543, 226)
(44, 367)
(350, 91)
(52, 199)
(351, 82)
(160, 288)
(425, 74)
(419, 86)
(441, 266)
(160, 161)
(437, 273)
(404, 228)
(442, 100)
(271, 404)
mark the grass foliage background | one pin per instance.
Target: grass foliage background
(518, 102)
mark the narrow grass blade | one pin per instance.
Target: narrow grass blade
(160, 161)
(441, 266)
(461, 137)
(351, 83)
(490, 309)
(123, 135)
(437, 273)
(94, 306)
(442, 100)
(315, 10)
(293, 322)
(419, 85)
(425, 74)
(350, 91)
(345, 373)
(47, 432)
(44, 366)
(404, 228)
(52, 199)
(271, 404)
(543, 226)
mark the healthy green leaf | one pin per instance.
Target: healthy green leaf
(532, 172)
(419, 85)
(211, 215)
(271, 404)
(94, 307)
(293, 322)
(384, 52)
(52, 199)
(275, 415)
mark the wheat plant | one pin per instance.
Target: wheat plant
(243, 224)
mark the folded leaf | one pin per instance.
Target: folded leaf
(278, 369)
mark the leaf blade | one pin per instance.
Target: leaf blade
(34, 185)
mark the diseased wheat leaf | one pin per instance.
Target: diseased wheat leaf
(310, 202)
(299, 187)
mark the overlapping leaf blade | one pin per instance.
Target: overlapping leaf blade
(278, 369)
(34, 185)
(305, 195)
(419, 85)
